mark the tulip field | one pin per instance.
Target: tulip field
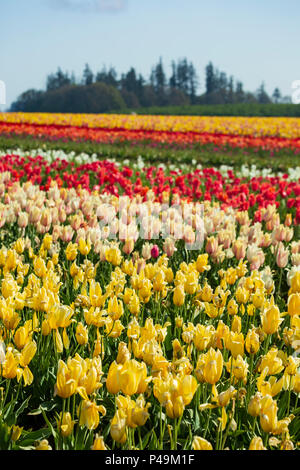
(149, 305)
(271, 134)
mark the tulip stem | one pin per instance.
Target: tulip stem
(266, 439)
(289, 397)
(160, 426)
(129, 438)
(60, 421)
(78, 427)
(250, 377)
(140, 438)
(268, 338)
(175, 435)
(177, 426)
(254, 423)
(219, 437)
(207, 422)
(279, 285)
(6, 392)
(225, 436)
(18, 391)
(73, 407)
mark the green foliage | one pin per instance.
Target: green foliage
(93, 98)
(235, 109)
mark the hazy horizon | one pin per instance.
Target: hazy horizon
(252, 42)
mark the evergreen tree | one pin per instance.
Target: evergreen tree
(262, 95)
(159, 81)
(57, 80)
(173, 78)
(231, 90)
(88, 76)
(183, 76)
(276, 95)
(239, 93)
(210, 78)
(193, 82)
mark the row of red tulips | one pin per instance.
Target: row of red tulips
(200, 184)
(180, 139)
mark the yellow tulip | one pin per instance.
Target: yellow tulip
(140, 413)
(271, 320)
(212, 366)
(84, 246)
(21, 337)
(113, 378)
(88, 413)
(98, 443)
(252, 342)
(294, 304)
(9, 366)
(65, 424)
(71, 251)
(201, 444)
(235, 343)
(272, 361)
(113, 328)
(178, 295)
(81, 334)
(43, 445)
(115, 308)
(268, 414)
(28, 353)
(257, 444)
(16, 433)
(123, 353)
(66, 381)
(239, 368)
(202, 263)
(254, 405)
(232, 307)
(118, 427)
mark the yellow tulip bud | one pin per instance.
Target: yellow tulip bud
(254, 404)
(65, 424)
(21, 337)
(98, 443)
(179, 295)
(16, 433)
(123, 353)
(213, 366)
(252, 342)
(115, 308)
(236, 324)
(46, 329)
(82, 335)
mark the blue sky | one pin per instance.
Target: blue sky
(253, 40)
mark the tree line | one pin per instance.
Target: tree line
(105, 91)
